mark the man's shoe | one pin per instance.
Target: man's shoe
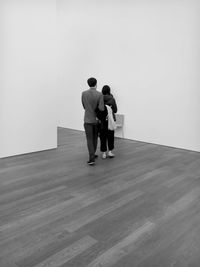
(96, 156)
(90, 162)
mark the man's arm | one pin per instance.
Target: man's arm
(82, 101)
(101, 103)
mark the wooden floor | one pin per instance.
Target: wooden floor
(141, 208)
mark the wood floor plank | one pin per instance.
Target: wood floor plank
(136, 210)
(68, 253)
(81, 200)
(7, 263)
(19, 197)
(31, 205)
(123, 248)
(59, 226)
(156, 250)
(183, 203)
(173, 181)
(87, 218)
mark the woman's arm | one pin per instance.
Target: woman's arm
(114, 106)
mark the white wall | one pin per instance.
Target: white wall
(28, 82)
(148, 51)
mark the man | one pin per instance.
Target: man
(92, 100)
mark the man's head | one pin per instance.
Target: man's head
(92, 82)
(106, 90)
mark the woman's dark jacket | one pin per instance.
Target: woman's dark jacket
(102, 115)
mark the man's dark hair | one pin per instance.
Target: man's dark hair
(106, 90)
(92, 82)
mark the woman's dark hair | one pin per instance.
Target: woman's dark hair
(106, 90)
(92, 82)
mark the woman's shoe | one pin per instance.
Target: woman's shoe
(110, 154)
(104, 155)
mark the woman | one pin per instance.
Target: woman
(106, 135)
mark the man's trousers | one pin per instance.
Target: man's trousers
(91, 131)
